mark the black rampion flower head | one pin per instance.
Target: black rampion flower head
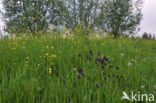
(99, 60)
(79, 55)
(105, 58)
(102, 66)
(87, 57)
(97, 86)
(90, 59)
(99, 53)
(105, 78)
(91, 53)
(79, 77)
(117, 77)
(117, 68)
(80, 71)
(102, 61)
(109, 62)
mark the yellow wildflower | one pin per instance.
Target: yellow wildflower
(52, 47)
(43, 17)
(33, 18)
(50, 27)
(50, 70)
(14, 48)
(46, 54)
(64, 25)
(26, 65)
(27, 57)
(53, 56)
(24, 17)
(75, 69)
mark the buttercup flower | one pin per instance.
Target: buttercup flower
(50, 27)
(46, 54)
(50, 70)
(75, 69)
(52, 47)
(53, 56)
(27, 57)
(24, 17)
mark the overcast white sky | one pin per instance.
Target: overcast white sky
(148, 23)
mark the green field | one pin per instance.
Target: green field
(57, 69)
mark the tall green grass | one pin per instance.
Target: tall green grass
(47, 69)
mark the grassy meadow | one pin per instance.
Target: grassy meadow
(70, 69)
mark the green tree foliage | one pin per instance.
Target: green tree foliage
(113, 16)
(149, 36)
(120, 16)
(82, 11)
(145, 35)
(32, 15)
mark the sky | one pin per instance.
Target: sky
(148, 23)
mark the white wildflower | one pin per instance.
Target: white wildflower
(142, 87)
(129, 64)
(122, 54)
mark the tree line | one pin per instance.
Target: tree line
(113, 16)
(148, 36)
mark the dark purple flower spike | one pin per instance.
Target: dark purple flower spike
(81, 74)
(80, 71)
(79, 77)
(102, 66)
(91, 53)
(99, 53)
(117, 68)
(105, 58)
(79, 55)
